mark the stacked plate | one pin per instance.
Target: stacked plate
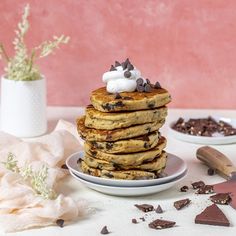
(175, 171)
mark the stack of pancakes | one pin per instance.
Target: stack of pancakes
(121, 133)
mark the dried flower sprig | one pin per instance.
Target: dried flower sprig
(22, 65)
(37, 179)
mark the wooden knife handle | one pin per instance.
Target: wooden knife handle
(216, 160)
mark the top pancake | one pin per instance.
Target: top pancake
(129, 101)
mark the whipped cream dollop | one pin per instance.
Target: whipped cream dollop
(121, 77)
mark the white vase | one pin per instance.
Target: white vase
(23, 107)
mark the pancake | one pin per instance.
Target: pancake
(137, 144)
(91, 134)
(109, 121)
(120, 174)
(129, 158)
(157, 163)
(129, 101)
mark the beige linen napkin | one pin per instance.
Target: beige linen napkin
(20, 207)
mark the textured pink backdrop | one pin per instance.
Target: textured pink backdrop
(188, 45)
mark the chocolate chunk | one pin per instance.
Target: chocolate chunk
(145, 207)
(157, 85)
(134, 221)
(221, 198)
(60, 222)
(212, 215)
(112, 68)
(117, 96)
(117, 63)
(64, 166)
(198, 184)
(181, 203)
(210, 171)
(139, 81)
(159, 210)
(104, 230)
(161, 224)
(147, 88)
(109, 145)
(127, 74)
(206, 189)
(140, 88)
(130, 66)
(184, 188)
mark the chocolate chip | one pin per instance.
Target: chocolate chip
(147, 88)
(184, 188)
(130, 66)
(148, 81)
(109, 146)
(159, 210)
(134, 221)
(64, 166)
(198, 184)
(127, 74)
(140, 88)
(125, 63)
(157, 85)
(210, 171)
(144, 207)
(139, 81)
(181, 203)
(60, 222)
(104, 230)
(151, 105)
(117, 96)
(112, 68)
(117, 63)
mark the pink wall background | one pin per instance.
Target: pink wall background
(188, 45)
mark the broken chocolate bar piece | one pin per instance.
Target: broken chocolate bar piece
(182, 203)
(145, 207)
(159, 210)
(206, 189)
(161, 224)
(221, 198)
(212, 215)
(198, 184)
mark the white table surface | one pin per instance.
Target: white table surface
(117, 212)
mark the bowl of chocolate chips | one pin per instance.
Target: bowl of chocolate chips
(204, 130)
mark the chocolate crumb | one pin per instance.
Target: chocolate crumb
(60, 222)
(142, 218)
(64, 166)
(181, 203)
(184, 188)
(159, 210)
(104, 230)
(210, 171)
(144, 207)
(134, 221)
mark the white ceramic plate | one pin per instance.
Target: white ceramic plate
(129, 191)
(205, 140)
(175, 166)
